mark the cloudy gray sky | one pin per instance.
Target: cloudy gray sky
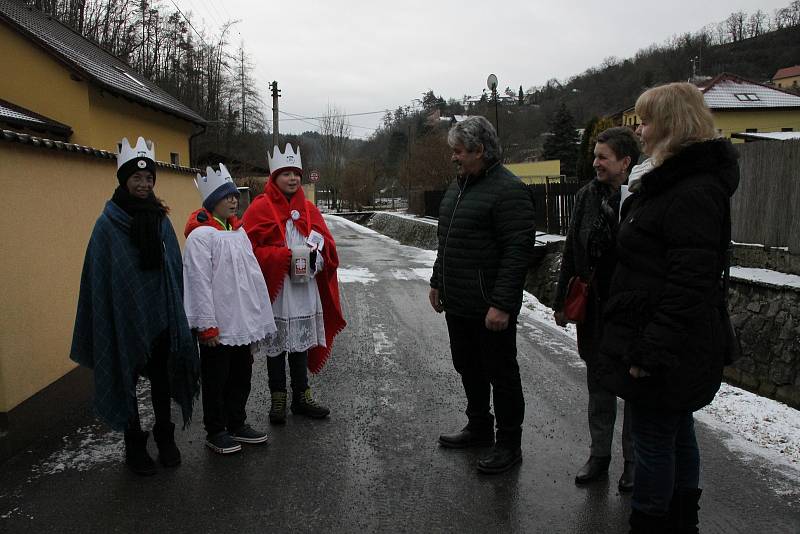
(363, 56)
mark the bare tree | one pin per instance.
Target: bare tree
(757, 24)
(735, 24)
(335, 131)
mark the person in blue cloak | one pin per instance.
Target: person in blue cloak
(130, 320)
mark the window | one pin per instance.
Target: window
(747, 97)
(751, 130)
(787, 129)
(174, 158)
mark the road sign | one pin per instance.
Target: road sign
(313, 177)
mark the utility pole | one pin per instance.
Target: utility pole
(276, 94)
(244, 121)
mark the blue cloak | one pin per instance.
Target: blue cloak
(121, 311)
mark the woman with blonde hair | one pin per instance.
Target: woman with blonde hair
(663, 343)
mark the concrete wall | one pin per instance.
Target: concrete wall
(766, 317)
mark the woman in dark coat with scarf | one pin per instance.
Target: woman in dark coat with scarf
(589, 253)
(663, 342)
(130, 319)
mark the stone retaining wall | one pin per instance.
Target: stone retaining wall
(766, 317)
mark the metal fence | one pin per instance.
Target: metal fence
(766, 207)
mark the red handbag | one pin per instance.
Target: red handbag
(576, 299)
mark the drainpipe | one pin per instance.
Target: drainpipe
(203, 128)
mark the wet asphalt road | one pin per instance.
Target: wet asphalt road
(374, 466)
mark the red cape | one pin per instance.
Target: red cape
(274, 256)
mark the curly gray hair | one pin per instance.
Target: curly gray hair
(475, 131)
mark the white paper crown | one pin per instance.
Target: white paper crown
(281, 160)
(212, 180)
(143, 149)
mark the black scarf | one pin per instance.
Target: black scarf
(145, 229)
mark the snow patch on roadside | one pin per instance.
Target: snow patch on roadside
(757, 426)
(360, 275)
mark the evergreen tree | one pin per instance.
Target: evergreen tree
(586, 152)
(521, 97)
(563, 139)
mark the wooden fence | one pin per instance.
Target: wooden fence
(553, 201)
(766, 207)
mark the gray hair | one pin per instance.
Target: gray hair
(473, 132)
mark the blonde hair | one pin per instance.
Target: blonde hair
(677, 115)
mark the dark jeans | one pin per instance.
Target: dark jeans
(667, 457)
(157, 371)
(487, 363)
(226, 372)
(298, 371)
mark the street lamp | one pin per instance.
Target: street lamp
(491, 82)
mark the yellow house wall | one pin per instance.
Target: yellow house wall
(788, 83)
(630, 118)
(41, 83)
(728, 122)
(62, 195)
(535, 171)
(98, 118)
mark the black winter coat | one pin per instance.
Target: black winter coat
(664, 308)
(486, 237)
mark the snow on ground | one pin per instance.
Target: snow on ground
(766, 276)
(755, 425)
(352, 274)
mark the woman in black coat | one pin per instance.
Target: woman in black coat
(589, 252)
(663, 342)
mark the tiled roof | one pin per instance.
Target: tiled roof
(787, 72)
(728, 91)
(768, 136)
(90, 60)
(11, 136)
(19, 116)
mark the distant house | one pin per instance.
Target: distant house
(787, 78)
(64, 104)
(741, 105)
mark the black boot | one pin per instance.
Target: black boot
(136, 457)
(642, 523)
(626, 480)
(164, 436)
(683, 510)
(595, 467)
(469, 436)
(303, 403)
(500, 459)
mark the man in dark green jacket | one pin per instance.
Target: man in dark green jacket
(486, 238)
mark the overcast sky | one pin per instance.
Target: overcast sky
(368, 55)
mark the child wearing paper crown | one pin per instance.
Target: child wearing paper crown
(298, 257)
(130, 320)
(227, 304)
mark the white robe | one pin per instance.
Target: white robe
(224, 287)
(297, 310)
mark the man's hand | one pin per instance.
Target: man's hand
(559, 318)
(436, 303)
(496, 320)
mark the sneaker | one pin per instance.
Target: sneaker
(277, 411)
(304, 404)
(222, 443)
(248, 434)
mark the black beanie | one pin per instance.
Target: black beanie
(133, 165)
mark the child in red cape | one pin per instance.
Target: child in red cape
(297, 255)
